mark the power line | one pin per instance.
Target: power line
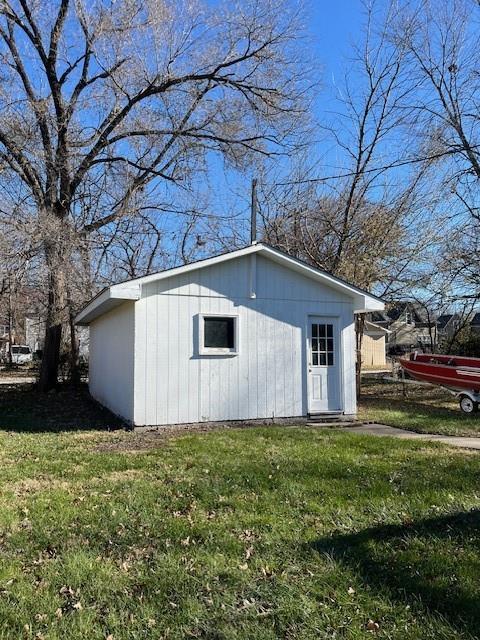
(382, 169)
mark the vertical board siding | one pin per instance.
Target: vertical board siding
(267, 379)
(111, 361)
(373, 350)
(348, 366)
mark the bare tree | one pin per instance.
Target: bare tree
(127, 249)
(442, 54)
(107, 107)
(15, 258)
(442, 46)
(464, 311)
(366, 220)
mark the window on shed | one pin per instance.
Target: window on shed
(219, 335)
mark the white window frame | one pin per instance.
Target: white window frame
(218, 351)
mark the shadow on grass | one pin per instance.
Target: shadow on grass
(433, 562)
(25, 409)
(420, 412)
(420, 399)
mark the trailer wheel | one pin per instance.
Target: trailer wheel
(467, 405)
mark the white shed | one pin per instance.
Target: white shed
(250, 334)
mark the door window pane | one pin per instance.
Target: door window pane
(322, 345)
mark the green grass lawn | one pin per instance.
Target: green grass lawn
(255, 533)
(424, 408)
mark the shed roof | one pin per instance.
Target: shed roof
(378, 316)
(116, 294)
(373, 328)
(418, 312)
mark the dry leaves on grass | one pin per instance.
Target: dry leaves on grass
(372, 626)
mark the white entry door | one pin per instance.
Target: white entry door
(323, 363)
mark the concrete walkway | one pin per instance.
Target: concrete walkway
(394, 432)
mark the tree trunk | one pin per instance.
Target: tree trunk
(57, 299)
(50, 358)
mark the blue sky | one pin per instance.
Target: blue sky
(334, 26)
(331, 28)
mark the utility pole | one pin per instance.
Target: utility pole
(253, 217)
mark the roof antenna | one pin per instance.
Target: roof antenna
(253, 215)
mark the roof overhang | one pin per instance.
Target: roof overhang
(107, 300)
(373, 329)
(131, 290)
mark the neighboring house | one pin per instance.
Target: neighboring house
(4, 340)
(373, 351)
(410, 328)
(34, 332)
(475, 323)
(16, 337)
(251, 334)
(35, 335)
(448, 325)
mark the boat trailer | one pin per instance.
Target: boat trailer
(456, 374)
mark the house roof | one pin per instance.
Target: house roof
(444, 319)
(476, 319)
(419, 314)
(116, 294)
(377, 317)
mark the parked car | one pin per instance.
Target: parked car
(21, 354)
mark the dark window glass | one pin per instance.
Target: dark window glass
(315, 359)
(219, 333)
(330, 330)
(323, 360)
(321, 330)
(314, 330)
(330, 359)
